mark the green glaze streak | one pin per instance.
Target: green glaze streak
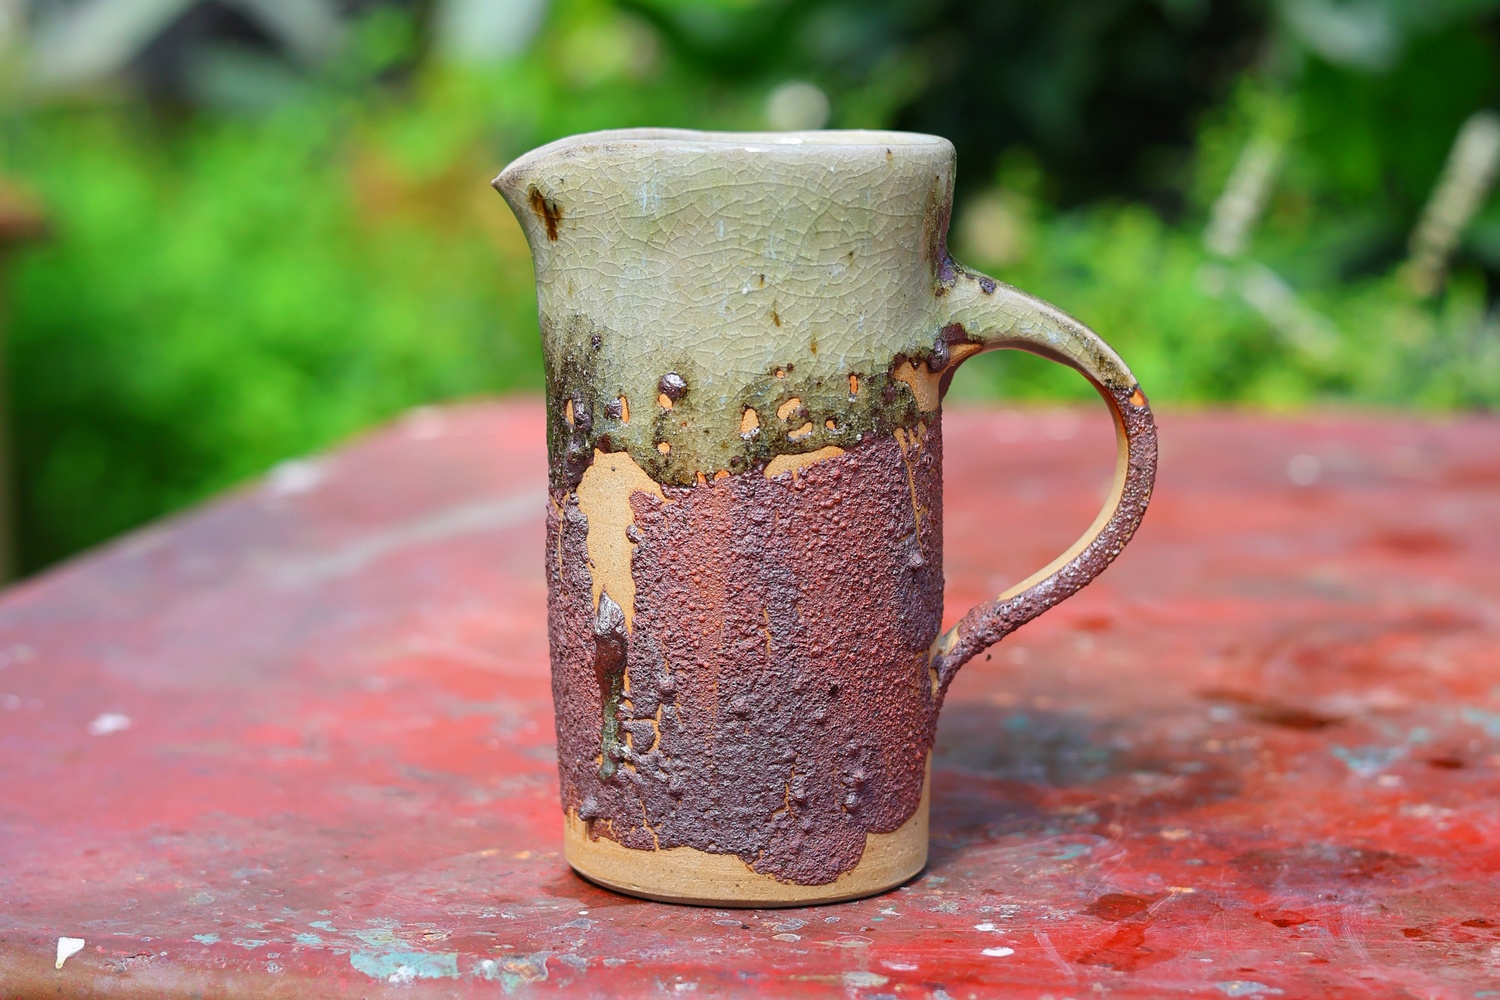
(711, 440)
(609, 738)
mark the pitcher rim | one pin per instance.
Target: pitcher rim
(818, 141)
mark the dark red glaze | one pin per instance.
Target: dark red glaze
(779, 703)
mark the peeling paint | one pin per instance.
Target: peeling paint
(516, 971)
(405, 966)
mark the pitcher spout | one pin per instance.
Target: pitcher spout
(511, 183)
(531, 185)
(516, 186)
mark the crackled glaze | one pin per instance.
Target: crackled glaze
(747, 338)
(725, 273)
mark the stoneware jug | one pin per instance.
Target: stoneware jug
(747, 339)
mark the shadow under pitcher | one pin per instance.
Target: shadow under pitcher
(747, 339)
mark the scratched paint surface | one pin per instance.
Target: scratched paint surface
(299, 742)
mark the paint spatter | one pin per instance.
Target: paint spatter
(856, 980)
(515, 971)
(250, 944)
(1125, 951)
(1488, 721)
(405, 966)
(1245, 988)
(206, 938)
(1116, 906)
(1369, 760)
(109, 722)
(67, 947)
(998, 952)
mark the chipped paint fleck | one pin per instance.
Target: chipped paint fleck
(109, 722)
(405, 966)
(864, 980)
(67, 947)
(1248, 988)
(515, 971)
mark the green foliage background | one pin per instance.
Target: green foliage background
(229, 286)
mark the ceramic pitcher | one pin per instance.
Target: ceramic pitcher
(747, 340)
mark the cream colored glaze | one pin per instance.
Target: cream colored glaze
(910, 441)
(604, 498)
(782, 464)
(927, 385)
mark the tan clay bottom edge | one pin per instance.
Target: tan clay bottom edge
(688, 875)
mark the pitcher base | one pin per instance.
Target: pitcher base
(688, 875)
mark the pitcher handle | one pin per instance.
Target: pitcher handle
(982, 314)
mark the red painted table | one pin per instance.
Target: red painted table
(299, 742)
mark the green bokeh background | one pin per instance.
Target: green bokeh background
(265, 256)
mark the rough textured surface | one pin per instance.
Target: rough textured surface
(777, 704)
(1261, 753)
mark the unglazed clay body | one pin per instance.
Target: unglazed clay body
(747, 338)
